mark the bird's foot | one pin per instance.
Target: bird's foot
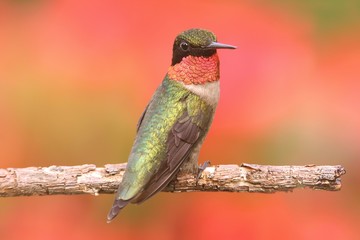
(201, 169)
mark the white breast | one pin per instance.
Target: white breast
(210, 91)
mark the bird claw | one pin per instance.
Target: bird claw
(201, 169)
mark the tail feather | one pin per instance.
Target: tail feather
(115, 209)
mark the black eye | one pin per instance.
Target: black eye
(184, 46)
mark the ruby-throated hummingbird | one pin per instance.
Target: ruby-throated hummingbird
(174, 124)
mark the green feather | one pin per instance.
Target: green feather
(168, 104)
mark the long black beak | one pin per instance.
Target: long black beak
(217, 45)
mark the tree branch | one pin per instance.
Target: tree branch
(88, 179)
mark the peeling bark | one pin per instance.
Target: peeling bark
(88, 179)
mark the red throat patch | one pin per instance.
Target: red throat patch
(195, 70)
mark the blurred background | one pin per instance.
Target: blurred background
(76, 75)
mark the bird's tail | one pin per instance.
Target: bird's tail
(115, 209)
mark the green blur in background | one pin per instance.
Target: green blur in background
(76, 75)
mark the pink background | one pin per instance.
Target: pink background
(76, 75)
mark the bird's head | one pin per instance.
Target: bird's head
(196, 42)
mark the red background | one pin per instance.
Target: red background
(76, 75)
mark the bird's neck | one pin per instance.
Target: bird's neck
(195, 70)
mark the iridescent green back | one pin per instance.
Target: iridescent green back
(168, 104)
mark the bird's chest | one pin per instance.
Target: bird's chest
(209, 92)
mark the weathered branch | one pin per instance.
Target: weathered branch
(231, 178)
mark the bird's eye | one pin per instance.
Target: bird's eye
(184, 46)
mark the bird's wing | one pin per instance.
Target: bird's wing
(172, 125)
(181, 139)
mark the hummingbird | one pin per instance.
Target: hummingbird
(173, 126)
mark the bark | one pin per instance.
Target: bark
(88, 179)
